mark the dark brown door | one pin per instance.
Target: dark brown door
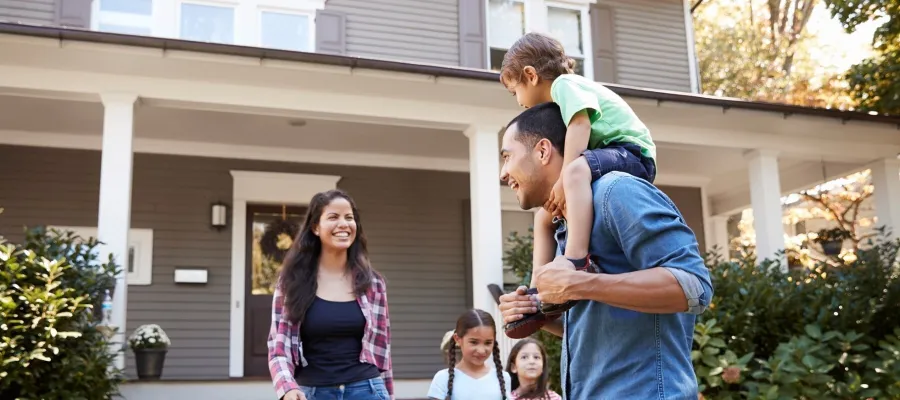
(263, 266)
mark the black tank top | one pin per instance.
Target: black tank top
(332, 335)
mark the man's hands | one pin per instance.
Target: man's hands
(294, 395)
(554, 280)
(514, 305)
(556, 204)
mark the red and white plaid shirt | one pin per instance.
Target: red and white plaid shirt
(286, 350)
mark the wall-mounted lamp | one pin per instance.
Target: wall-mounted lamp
(219, 216)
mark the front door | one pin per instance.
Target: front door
(264, 252)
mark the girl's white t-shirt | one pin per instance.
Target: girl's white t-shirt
(465, 387)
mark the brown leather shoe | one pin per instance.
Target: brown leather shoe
(557, 309)
(530, 323)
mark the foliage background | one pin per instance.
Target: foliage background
(827, 332)
(51, 288)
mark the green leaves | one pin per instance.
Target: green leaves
(48, 288)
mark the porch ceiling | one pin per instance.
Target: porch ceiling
(399, 119)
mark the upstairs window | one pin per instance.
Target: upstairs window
(206, 23)
(565, 20)
(286, 31)
(133, 17)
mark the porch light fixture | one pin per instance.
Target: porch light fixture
(219, 216)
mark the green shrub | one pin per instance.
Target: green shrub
(823, 333)
(49, 341)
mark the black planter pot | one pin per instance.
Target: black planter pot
(831, 247)
(149, 363)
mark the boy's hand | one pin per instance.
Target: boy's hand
(556, 205)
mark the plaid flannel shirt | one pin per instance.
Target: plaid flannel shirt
(286, 350)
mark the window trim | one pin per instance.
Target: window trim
(536, 20)
(235, 17)
(310, 14)
(165, 17)
(140, 239)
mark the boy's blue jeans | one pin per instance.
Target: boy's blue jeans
(624, 157)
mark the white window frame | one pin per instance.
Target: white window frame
(165, 19)
(142, 242)
(234, 6)
(536, 21)
(122, 19)
(309, 13)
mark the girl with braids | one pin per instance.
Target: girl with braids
(471, 378)
(527, 365)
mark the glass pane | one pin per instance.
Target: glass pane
(565, 26)
(128, 30)
(131, 258)
(497, 58)
(579, 66)
(285, 31)
(207, 23)
(507, 23)
(266, 256)
(140, 7)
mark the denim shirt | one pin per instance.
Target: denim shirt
(613, 353)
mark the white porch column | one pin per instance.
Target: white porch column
(487, 236)
(719, 227)
(765, 197)
(114, 216)
(886, 179)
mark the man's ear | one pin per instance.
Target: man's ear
(545, 150)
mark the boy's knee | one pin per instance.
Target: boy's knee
(577, 171)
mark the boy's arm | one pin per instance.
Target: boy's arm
(554, 327)
(577, 136)
(544, 245)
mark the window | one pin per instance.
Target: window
(506, 26)
(565, 25)
(566, 20)
(140, 251)
(207, 23)
(133, 17)
(286, 31)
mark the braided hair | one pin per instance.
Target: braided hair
(474, 318)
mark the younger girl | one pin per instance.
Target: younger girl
(470, 378)
(527, 365)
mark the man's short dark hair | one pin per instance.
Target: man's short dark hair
(543, 121)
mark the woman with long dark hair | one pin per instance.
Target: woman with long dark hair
(330, 336)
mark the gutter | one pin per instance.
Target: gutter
(426, 69)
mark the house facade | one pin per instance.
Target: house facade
(132, 120)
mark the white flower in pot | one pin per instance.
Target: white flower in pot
(150, 345)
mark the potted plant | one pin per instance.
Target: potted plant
(149, 344)
(831, 240)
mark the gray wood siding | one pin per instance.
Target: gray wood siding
(38, 12)
(413, 221)
(402, 30)
(651, 44)
(689, 201)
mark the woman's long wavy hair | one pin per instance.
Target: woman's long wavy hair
(299, 272)
(541, 388)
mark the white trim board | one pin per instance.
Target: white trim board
(239, 390)
(264, 153)
(259, 187)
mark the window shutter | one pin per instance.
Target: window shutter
(472, 34)
(331, 32)
(604, 42)
(73, 13)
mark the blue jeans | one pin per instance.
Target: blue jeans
(369, 389)
(624, 157)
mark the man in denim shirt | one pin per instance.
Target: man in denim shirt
(629, 335)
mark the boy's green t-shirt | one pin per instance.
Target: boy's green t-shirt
(612, 120)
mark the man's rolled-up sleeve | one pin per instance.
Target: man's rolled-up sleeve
(652, 233)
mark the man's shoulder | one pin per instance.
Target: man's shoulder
(617, 181)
